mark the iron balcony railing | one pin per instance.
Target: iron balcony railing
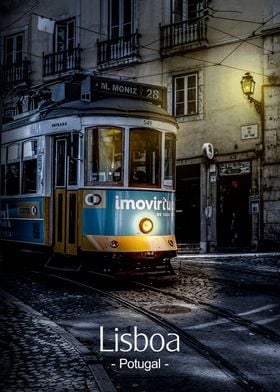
(118, 50)
(182, 35)
(63, 61)
(16, 73)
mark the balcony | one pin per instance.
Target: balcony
(118, 51)
(62, 62)
(182, 36)
(16, 74)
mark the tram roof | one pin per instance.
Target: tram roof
(124, 107)
(114, 107)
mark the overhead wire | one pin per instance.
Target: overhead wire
(242, 41)
(76, 26)
(146, 46)
(239, 38)
(249, 36)
(225, 11)
(209, 62)
(20, 17)
(236, 20)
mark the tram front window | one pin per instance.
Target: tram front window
(104, 148)
(169, 161)
(144, 164)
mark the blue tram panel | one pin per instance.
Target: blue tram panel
(138, 223)
(120, 212)
(23, 220)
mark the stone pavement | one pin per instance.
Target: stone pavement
(34, 356)
(37, 355)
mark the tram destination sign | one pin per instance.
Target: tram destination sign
(115, 87)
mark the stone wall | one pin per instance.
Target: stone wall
(271, 166)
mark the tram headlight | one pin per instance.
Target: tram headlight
(146, 225)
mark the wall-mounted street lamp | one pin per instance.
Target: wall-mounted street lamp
(248, 88)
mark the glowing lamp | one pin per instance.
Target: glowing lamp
(248, 89)
(146, 225)
(248, 84)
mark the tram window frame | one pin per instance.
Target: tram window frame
(13, 169)
(169, 161)
(29, 166)
(73, 158)
(144, 164)
(113, 174)
(60, 162)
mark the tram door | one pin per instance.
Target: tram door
(65, 194)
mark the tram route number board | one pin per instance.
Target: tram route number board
(152, 93)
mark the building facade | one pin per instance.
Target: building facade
(228, 147)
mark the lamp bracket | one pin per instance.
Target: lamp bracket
(257, 104)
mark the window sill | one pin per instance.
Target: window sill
(188, 118)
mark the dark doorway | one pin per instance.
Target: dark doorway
(188, 204)
(234, 220)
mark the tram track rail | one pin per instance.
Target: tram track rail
(219, 311)
(235, 374)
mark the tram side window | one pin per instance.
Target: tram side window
(13, 170)
(29, 167)
(104, 156)
(12, 179)
(3, 170)
(169, 161)
(145, 159)
(2, 179)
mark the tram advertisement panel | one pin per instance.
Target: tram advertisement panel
(117, 212)
(22, 220)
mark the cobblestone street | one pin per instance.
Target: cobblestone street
(33, 355)
(50, 339)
